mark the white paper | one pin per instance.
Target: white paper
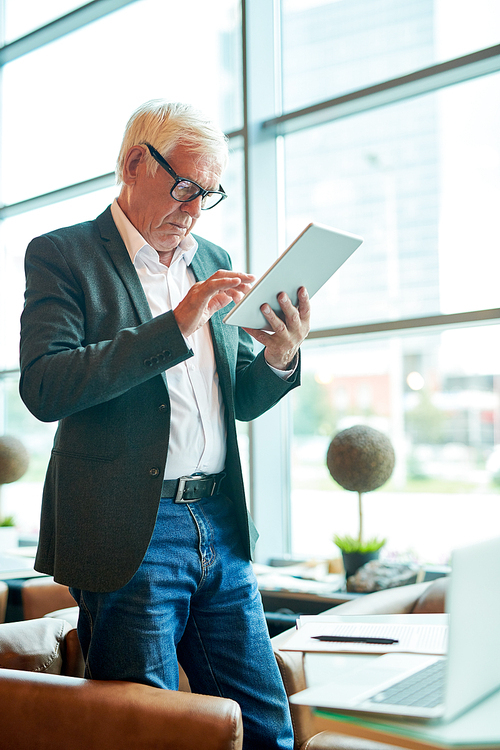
(415, 639)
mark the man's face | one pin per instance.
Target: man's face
(161, 220)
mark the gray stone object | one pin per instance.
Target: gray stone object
(381, 574)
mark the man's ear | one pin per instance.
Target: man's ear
(133, 160)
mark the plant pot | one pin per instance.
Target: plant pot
(353, 561)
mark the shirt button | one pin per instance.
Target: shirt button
(154, 472)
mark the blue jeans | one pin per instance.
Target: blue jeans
(194, 600)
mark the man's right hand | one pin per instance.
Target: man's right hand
(206, 297)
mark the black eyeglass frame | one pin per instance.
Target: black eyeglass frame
(201, 191)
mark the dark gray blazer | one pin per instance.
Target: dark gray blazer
(93, 358)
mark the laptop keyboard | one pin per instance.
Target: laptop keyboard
(423, 689)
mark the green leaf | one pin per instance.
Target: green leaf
(7, 521)
(350, 544)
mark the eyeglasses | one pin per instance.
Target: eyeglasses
(186, 190)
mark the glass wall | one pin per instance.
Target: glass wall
(324, 126)
(68, 124)
(437, 396)
(419, 179)
(21, 18)
(64, 107)
(353, 44)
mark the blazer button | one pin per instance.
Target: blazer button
(154, 472)
(162, 407)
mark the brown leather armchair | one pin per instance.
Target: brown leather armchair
(39, 596)
(416, 598)
(44, 705)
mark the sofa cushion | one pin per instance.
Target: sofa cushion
(331, 741)
(69, 614)
(33, 645)
(433, 599)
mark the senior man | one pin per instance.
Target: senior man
(143, 512)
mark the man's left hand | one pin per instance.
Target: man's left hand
(282, 344)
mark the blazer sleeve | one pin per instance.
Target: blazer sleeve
(258, 388)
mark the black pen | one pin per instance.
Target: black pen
(355, 639)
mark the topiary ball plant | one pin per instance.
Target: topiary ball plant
(360, 459)
(14, 461)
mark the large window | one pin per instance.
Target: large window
(419, 179)
(374, 116)
(65, 104)
(352, 44)
(67, 125)
(437, 395)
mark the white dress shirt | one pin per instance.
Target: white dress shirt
(197, 425)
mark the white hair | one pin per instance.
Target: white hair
(166, 125)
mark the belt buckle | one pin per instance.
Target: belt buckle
(180, 489)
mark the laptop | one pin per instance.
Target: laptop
(467, 674)
(312, 258)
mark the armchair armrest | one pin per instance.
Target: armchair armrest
(42, 595)
(399, 600)
(56, 712)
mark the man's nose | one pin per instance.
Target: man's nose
(193, 208)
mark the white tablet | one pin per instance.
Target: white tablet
(312, 258)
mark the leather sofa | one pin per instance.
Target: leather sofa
(46, 705)
(418, 598)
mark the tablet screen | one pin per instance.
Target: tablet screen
(311, 259)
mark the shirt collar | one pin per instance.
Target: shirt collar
(135, 242)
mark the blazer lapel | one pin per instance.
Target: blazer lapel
(115, 247)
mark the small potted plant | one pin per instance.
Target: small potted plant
(360, 459)
(357, 552)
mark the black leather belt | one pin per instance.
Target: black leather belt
(192, 488)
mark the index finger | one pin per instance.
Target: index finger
(245, 278)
